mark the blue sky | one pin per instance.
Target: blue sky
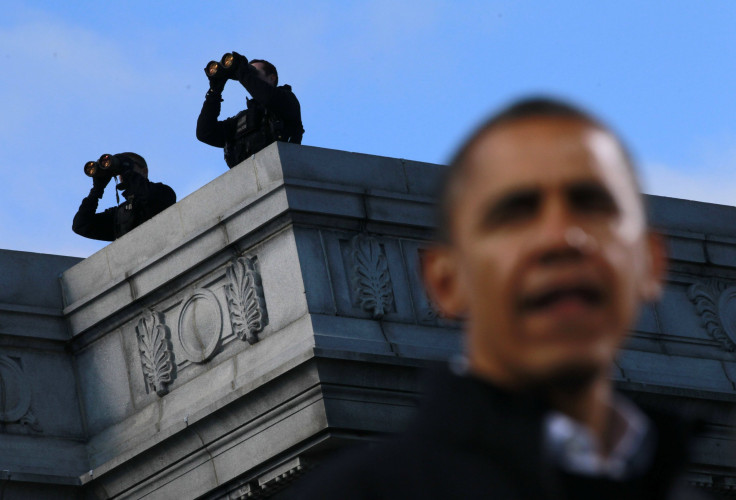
(394, 78)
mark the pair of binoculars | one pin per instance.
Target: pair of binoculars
(107, 165)
(222, 69)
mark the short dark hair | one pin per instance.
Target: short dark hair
(135, 158)
(529, 107)
(268, 68)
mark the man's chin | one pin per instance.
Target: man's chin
(570, 379)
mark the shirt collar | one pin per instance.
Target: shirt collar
(572, 446)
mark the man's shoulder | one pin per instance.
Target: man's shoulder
(286, 90)
(448, 450)
(399, 467)
(161, 185)
(161, 193)
(164, 189)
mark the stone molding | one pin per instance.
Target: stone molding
(268, 483)
(157, 355)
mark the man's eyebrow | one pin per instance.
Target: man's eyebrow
(589, 194)
(510, 205)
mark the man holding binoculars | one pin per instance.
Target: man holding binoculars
(143, 198)
(273, 113)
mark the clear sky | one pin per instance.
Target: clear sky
(395, 78)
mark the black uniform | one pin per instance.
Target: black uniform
(473, 440)
(273, 114)
(143, 200)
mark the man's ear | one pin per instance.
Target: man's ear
(442, 281)
(651, 287)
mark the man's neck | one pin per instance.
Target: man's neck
(585, 395)
(592, 407)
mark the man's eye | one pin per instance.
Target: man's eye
(511, 209)
(592, 199)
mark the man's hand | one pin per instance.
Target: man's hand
(99, 183)
(240, 63)
(217, 83)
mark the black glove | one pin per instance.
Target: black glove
(217, 83)
(239, 69)
(99, 183)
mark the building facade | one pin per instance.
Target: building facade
(229, 344)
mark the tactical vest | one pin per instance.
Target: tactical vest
(125, 218)
(256, 128)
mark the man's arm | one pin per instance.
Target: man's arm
(89, 224)
(276, 99)
(209, 130)
(161, 197)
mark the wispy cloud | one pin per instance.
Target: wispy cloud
(403, 79)
(49, 64)
(712, 182)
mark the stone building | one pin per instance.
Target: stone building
(233, 341)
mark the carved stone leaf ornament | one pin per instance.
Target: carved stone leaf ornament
(371, 279)
(157, 356)
(715, 302)
(245, 300)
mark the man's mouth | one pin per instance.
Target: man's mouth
(578, 295)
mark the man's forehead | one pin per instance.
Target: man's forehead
(546, 154)
(527, 134)
(538, 149)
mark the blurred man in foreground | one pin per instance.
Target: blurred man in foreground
(545, 252)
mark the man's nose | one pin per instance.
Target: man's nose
(560, 233)
(555, 222)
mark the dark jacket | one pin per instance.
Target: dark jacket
(143, 200)
(272, 114)
(472, 440)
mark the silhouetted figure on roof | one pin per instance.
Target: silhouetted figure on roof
(143, 199)
(272, 114)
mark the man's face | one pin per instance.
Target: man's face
(136, 168)
(550, 255)
(270, 79)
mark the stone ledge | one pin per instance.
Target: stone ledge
(685, 215)
(42, 459)
(211, 440)
(163, 418)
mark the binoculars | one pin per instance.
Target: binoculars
(107, 165)
(222, 69)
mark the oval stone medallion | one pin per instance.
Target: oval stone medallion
(15, 396)
(200, 325)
